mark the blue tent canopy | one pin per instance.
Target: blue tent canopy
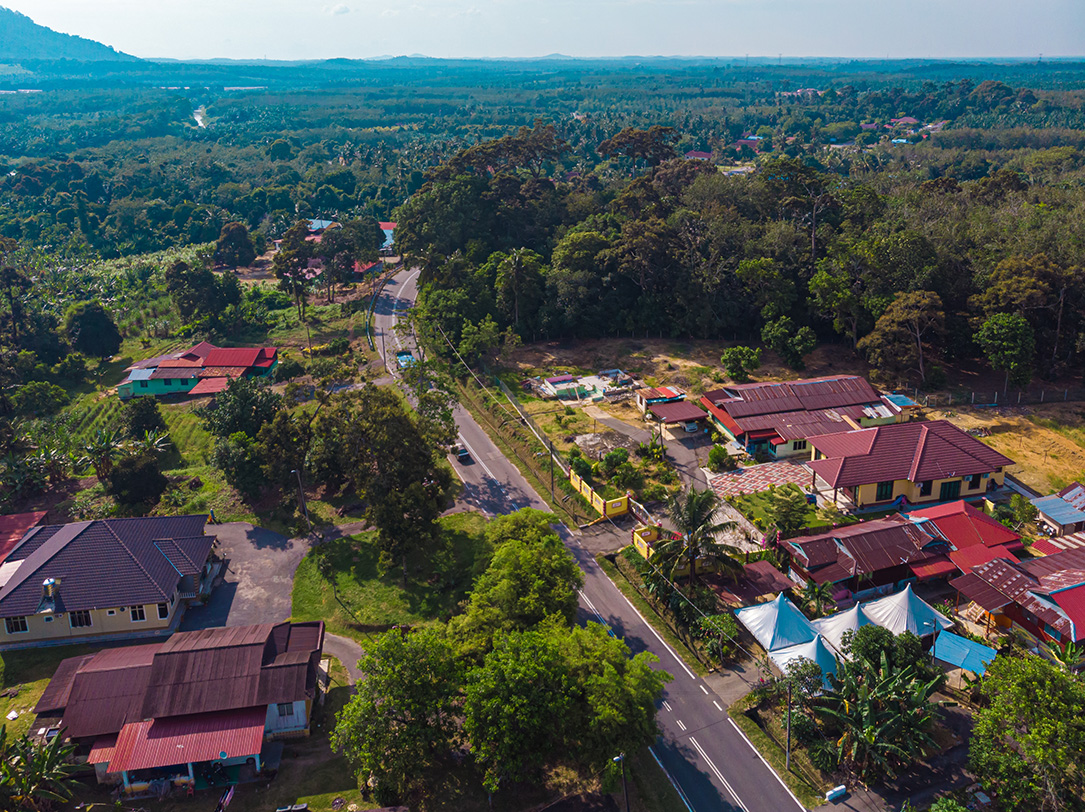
(963, 653)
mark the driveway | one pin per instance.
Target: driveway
(259, 578)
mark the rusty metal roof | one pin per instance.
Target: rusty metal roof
(806, 395)
(681, 411)
(976, 589)
(188, 739)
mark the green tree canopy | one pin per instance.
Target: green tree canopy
(91, 330)
(234, 247)
(1010, 344)
(245, 405)
(740, 361)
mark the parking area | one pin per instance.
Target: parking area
(259, 575)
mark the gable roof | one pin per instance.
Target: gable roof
(913, 451)
(865, 548)
(211, 670)
(105, 563)
(964, 526)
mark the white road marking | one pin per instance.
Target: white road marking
(703, 690)
(591, 606)
(718, 774)
(681, 725)
(651, 628)
(670, 778)
(717, 704)
(667, 705)
(778, 778)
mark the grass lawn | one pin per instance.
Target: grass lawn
(364, 601)
(30, 671)
(755, 507)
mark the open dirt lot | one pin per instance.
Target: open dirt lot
(1046, 442)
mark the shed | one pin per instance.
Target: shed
(1062, 510)
(963, 653)
(682, 411)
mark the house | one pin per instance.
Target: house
(653, 395)
(974, 537)
(1063, 512)
(1044, 596)
(777, 418)
(195, 710)
(904, 121)
(201, 370)
(911, 462)
(103, 579)
(869, 557)
(389, 230)
(697, 155)
(14, 526)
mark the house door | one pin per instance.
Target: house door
(950, 490)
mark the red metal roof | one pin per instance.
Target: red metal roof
(189, 739)
(209, 386)
(906, 451)
(976, 555)
(14, 526)
(1072, 602)
(965, 526)
(681, 411)
(101, 752)
(933, 568)
(976, 589)
(386, 226)
(232, 357)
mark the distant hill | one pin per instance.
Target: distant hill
(22, 38)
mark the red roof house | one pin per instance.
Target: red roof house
(14, 526)
(907, 462)
(964, 526)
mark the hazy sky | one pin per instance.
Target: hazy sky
(310, 29)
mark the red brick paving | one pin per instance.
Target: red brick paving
(759, 477)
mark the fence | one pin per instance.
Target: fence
(607, 508)
(531, 424)
(991, 399)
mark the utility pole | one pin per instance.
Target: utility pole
(625, 787)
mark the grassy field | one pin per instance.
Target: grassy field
(30, 672)
(364, 601)
(755, 507)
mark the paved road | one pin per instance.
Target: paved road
(700, 747)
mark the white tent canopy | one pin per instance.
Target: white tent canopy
(832, 628)
(778, 624)
(906, 611)
(815, 650)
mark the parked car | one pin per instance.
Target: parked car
(404, 359)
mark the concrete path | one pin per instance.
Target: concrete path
(345, 651)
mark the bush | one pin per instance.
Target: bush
(612, 460)
(719, 460)
(823, 755)
(72, 367)
(40, 398)
(142, 415)
(581, 467)
(803, 728)
(137, 480)
(237, 458)
(287, 369)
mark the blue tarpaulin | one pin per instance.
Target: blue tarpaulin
(963, 653)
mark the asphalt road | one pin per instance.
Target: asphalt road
(706, 756)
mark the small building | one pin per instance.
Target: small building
(1063, 512)
(777, 418)
(201, 709)
(697, 155)
(201, 370)
(566, 387)
(389, 229)
(907, 463)
(660, 394)
(103, 579)
(689, 416)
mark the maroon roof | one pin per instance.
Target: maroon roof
(865, 548)
(913, 451)
(758, 578)
(681, 411)
(746, 400)
(188, 739)
(1073, 559)
(232, 357)
(976, 589)
(14, 526)
(209, 386)
(933, 567)
(212, 670)
(105, 563)
(978, 554)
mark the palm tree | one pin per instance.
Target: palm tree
(33, 776)
(693, 514)
(153, 442)
(816, 597)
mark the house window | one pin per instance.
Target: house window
(163, 611)
(111, 612)
(1052, 631)
(884, 492)
(137, 614)
(80, 619)
(286, 709)
(142, 384)
(798, 445)
(167, 381)
(974, 481)
(926, 487)
(950, 490)
(16, 625)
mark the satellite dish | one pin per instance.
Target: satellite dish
(222, 754)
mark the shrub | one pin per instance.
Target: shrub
(823, 755)
(142, 415)
(581, 467)
(137, 480)
(72, 367)
(719, 460)
(40, 398)
(289, 368)
(612, 460)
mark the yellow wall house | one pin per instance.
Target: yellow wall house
(921, 462)
(101, 580)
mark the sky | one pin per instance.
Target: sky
(319, 29)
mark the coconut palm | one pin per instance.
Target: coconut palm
(693, 514)
(816, 597)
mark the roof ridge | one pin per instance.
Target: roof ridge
(920, 447)
(136, 560)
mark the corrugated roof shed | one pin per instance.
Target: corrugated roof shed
(1058, 510)
(682, 411)
(189, 739)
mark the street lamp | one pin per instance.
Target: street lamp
(625, 787)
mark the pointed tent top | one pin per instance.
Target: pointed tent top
(816, 651)
(778, 624)
(832, 628)
(905, 611)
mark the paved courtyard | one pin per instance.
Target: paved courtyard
(758, 478)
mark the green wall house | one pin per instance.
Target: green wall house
(202, 370)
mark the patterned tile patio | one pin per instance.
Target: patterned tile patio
(758, 478)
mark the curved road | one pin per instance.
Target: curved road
(706, 756)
